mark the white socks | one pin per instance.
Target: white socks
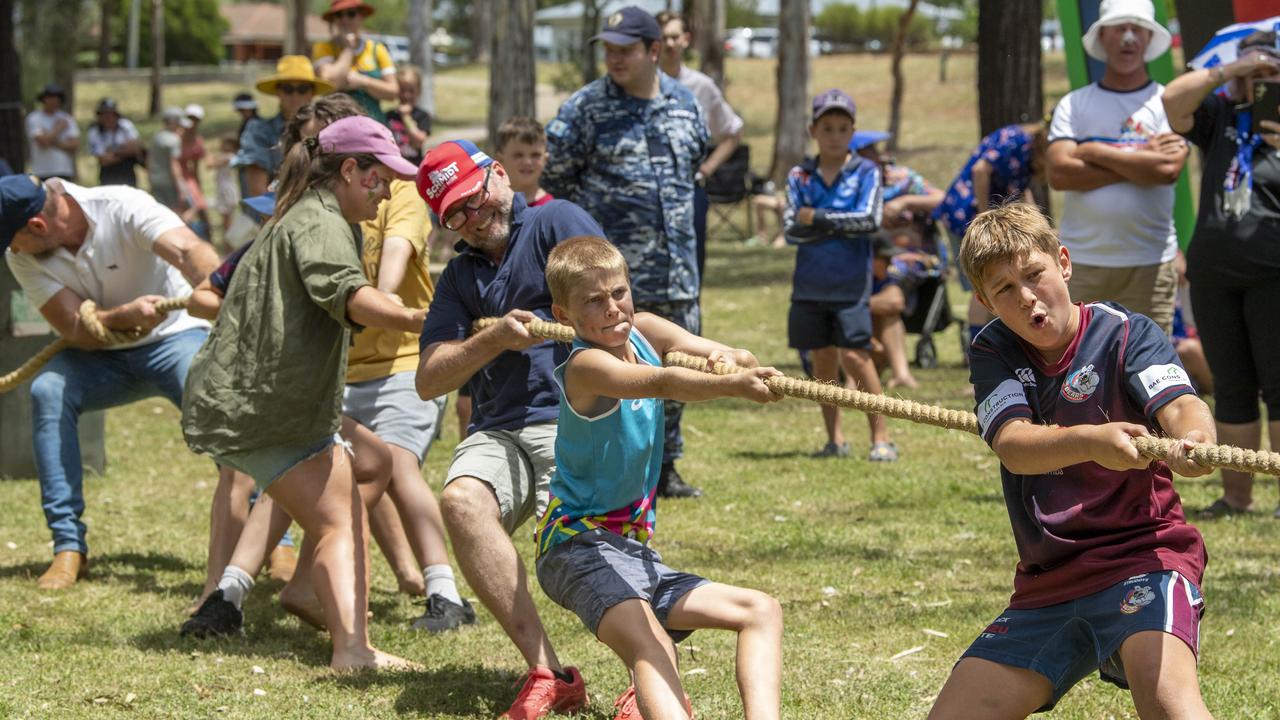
(440, 580)
(235, 585)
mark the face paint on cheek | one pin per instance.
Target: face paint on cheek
(372, 185)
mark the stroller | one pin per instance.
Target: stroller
(921, 269)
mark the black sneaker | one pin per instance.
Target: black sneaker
(444, 614)
(671, 485)
(215, 618)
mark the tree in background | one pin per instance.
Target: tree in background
(104, 32)
(707, 20)
(1010, 85)
(420, 52)
(482, 27)
(511, 73)
(899, 49)
(193, 31)
(791, 128)
(157, 55)
(12, 135)
(48, 45)
(295, 39)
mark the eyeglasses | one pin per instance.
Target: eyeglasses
(348, 14)
(292, 89)
(456, 219)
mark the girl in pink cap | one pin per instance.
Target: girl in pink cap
(265, 392)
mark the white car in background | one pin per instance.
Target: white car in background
(759, 43)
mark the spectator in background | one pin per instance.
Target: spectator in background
(227, 191)
(53, 136)
(410, 124)
(1233, 261)
(164, 166)
(889, 302)
(115, 142)
(192, 153)
(356, 65)
(723, 124)
(247, 108)
(1115, 157)
(522, 150)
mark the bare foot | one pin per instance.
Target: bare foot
(906, 381)
(303, 603)
(370, 659)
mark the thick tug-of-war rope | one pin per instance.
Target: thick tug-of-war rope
(89, 319)
(1221, 456)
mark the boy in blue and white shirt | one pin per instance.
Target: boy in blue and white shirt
(593, 540)
(834, 203)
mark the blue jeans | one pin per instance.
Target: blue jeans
(79, 381)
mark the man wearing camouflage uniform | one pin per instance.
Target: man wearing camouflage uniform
(626, 149)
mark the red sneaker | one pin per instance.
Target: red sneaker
(544, 693)
(627, 710)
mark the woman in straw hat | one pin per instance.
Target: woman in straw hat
(295, 84)
(356, 65)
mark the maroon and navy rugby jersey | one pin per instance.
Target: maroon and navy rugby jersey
(1082, 528)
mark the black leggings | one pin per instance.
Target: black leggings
(1239, 327)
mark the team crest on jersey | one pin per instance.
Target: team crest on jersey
(1136, 599)
(1080, 384)
(1026, 375)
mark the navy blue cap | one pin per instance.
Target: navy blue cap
(21, 198)
(867, 138)
(260, 207)
(629, 25)
(52, 89)
(833, 99)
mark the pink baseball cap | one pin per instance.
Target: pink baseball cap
(360, 134)
(450, 172)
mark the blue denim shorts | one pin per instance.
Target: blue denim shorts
(598, 569)
(266, 465)
(1069, 641)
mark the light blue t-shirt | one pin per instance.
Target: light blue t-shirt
(607, 466)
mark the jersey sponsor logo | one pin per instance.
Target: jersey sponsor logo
(1026, 375)
(441, 179)
(1080, 384)
(1136, 599)
(1006, 395)
(1158, 378)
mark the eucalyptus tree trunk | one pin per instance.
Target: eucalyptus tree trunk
(791, 135)
(511, 71)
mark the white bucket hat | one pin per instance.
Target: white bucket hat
(1118, 12)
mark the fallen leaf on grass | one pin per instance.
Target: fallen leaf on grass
(259, 692)
(829, 591)
(904, 653)
(938, 603)
(696, 671)
(11, 545)
(934, 633)
(1231, 632)
(257, 670)
(130, 698)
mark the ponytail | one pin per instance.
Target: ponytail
(294, 174)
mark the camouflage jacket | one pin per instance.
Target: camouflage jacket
(630, 163)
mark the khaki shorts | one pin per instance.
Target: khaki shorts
(516, 464)
(1149, 290)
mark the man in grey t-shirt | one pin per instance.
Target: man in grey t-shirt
(162, 161)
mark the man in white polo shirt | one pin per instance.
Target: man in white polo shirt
(117, 246)
(1116, 158)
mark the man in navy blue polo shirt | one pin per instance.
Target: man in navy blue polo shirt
(500, 473)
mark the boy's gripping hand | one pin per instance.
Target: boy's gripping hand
(739, 357)
(750, 385)
(511, 333)
(1113, 448)
(1178, 460)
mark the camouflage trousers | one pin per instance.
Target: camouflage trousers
(688, 315)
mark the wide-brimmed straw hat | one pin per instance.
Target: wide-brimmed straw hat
(294, 68)
(1118, 12)
(337, 6)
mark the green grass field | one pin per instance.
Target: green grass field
(868, 560)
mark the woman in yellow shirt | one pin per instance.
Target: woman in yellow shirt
(356, 65)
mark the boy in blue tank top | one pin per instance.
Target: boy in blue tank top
(593, 540)
(1109, 571)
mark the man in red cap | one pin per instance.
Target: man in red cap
(501, 472)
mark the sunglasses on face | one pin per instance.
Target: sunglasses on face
(291, 89)
(347, 14)
(456, 219)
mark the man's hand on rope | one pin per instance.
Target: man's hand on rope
(137, 313)
(1179, 460)
(512, 334)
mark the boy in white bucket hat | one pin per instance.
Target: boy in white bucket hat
(1115, 157)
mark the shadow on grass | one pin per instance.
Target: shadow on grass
(470, 690)
(770, 454)
(138, 569)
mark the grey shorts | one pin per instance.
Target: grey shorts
(597, 569)
(266, 465)
(516, 464)
(391, 408)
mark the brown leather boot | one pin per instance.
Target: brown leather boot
(281, 563)
(68, 566)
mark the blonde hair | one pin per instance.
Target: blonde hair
(570, 260)
(1001, 234)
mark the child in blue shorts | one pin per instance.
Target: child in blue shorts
(1108, 571)
(833, 205)
(594, 556)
